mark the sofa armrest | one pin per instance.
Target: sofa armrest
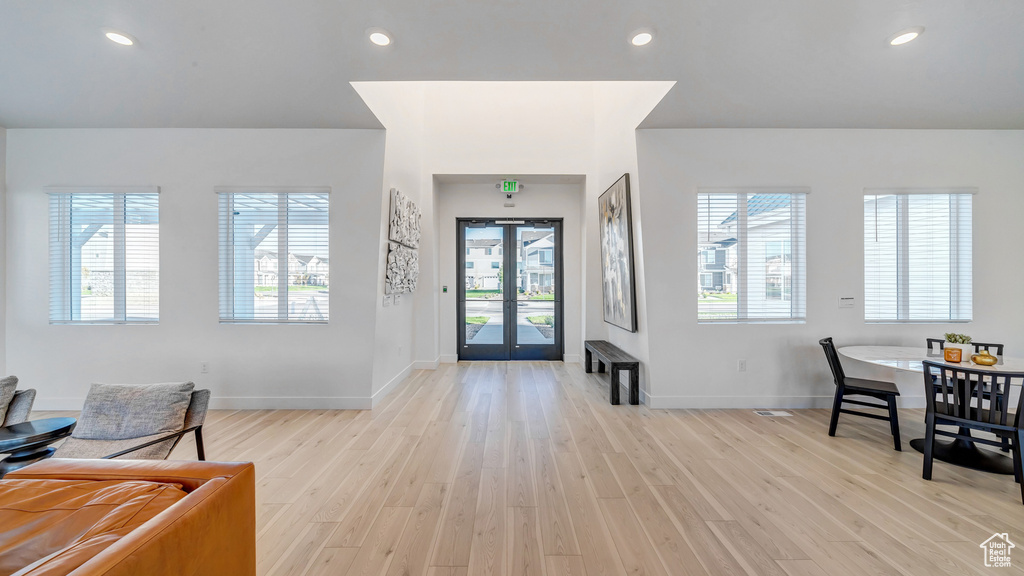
(211, 532)
(191, 475)
(20, 407)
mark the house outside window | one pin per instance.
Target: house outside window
(104, 255)
(750, 261)
(274, 255)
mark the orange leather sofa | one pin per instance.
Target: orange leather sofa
(170, 518)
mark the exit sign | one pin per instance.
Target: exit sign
(509, 186)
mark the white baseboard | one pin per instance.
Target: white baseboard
(426, 364)
(757, 402)
(449, 359)
(239, 403)
(380, 394)
(572, 359)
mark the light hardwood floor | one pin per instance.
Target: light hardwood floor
(524, 468)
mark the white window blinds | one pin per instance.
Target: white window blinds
(750, 256)
(274, 255)
(917, 256)
(104, 255)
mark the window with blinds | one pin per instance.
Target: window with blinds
(750, 260)
(274, 255)
(104, 256)
(917, 256)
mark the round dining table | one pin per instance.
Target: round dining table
(909, 359)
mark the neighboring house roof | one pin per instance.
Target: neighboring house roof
(762, 204)
(304, 258)
(482, 242)
(531, 237)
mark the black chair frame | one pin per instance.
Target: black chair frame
(952, 404)
(884, 391)
(176, 436)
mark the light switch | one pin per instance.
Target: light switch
(846, 301)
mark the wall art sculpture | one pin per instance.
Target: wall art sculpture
(403, 266)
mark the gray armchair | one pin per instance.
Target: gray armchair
(137, 422)
(20, 406)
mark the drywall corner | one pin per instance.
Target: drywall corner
(3, 250)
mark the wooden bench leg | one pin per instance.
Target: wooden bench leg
(600, 366)
(614, 395)
(589, 361)
(634, 386)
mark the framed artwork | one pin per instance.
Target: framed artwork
(618, 286)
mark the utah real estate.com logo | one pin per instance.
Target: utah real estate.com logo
(997, 550)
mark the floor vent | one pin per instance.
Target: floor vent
(771, 413)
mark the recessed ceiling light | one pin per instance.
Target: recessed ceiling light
(904, 36)
(641, 37)
(379, 36)
(120, 37)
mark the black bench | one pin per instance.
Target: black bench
(617, 360)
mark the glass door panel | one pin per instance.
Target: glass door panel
(536, 288)
(482, 304)
(510, 298)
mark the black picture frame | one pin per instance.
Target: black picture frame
(618, 277)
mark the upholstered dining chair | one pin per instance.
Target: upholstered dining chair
(137, 422)
(885, 391)
(15, 405)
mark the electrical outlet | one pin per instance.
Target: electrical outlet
(387, 301)
(204, 367)
(741, 365)
(397, 299)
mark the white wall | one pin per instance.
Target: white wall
(3, 251)
(694, 365)
(394, 333)
(542, 198)
(324, 366)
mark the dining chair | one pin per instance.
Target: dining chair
(936, 344)
(845, 386)
(957, 404)
(996, 349)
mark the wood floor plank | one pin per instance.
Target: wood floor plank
(592, 533)
(526, 558)
(524, 468)
(487, 556)
(455, 539)
(412, 557)
(556, 529)
(380, 543)
(565, 566)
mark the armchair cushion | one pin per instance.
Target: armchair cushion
(20, 407)
(7, 387)
(121, 411)
(97, 449)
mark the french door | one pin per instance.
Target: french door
(510, 289)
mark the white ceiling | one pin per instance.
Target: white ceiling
(288, 64)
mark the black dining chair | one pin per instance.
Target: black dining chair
(845, 386)
(957, 404)
(936, 344)
(996, 349)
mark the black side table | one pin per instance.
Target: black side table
(28, 442)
